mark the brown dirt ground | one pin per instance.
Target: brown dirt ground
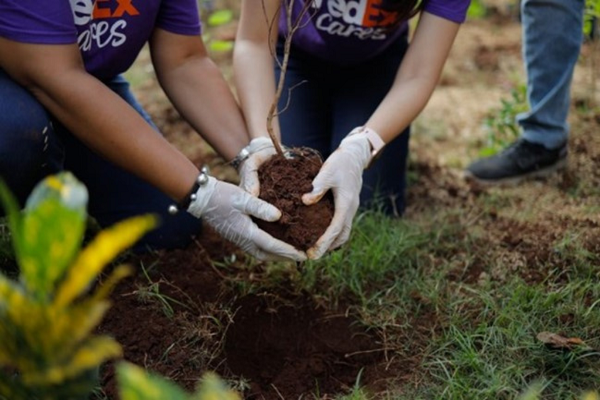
(282, 344)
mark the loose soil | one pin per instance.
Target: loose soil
(273, 344)
(283, 181)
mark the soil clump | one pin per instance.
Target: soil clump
(283, 181)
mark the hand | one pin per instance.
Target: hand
(227, 208)
(342, 173)
(257, 152)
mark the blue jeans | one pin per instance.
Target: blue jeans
(33, 144)
(552, 36)
(327, 101)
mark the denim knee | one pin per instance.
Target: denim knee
(29, 147)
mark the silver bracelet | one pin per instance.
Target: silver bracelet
(242, 156)
(184, 204)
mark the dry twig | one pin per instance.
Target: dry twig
(293, 26)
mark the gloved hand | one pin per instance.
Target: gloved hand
(257, 152)
(342, 173)
(227, 208)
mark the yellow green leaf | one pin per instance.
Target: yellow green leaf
(220, 17)
(108, 285)
(591, 396)
(51, 232)
(105, 247)
(14, 304)
(136, 384)
(213, 388)
(12, 209)
(221, 45)
(89, 355)
(62, 187)
(47, 252)
(71, 326)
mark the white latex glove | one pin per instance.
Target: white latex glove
(227, 208)
(342, 173)
(260, 150)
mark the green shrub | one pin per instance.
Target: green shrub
(47, 350)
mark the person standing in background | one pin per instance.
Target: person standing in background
(552, 37)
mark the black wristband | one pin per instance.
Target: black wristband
(184, 204)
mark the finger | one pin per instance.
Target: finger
(342, 237)
(339, 229)
(321, 184)
(319, 190)
(270, 245)
(325, 240)
(250, 183)
(256, 207)
(264, 256)
(248, 244)
(313, 197)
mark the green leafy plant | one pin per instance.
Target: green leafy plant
(535, 393)
(216, 19)
(137, 384)
(47, 316)
(476, 10)
(591, 15)
(501, 125)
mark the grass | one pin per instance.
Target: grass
(150, 292)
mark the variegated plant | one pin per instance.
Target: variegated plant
(136, 384)
(47, 350)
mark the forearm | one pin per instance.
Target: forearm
(202, 96)
(108, 125)
(417, 77)
(403, 103)
(253, 63)
(254, 77)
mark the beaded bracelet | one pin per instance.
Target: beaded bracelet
(184, 204)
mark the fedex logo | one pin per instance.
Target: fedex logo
(367, 13)
(86, 10)
(102, 23)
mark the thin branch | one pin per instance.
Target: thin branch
(289, 96)
(272, 25)
(293, 26)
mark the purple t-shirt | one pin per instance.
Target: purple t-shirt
(351, 31)
(110, 33)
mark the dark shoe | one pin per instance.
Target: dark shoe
(520, 160)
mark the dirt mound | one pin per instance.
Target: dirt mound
(179, 317)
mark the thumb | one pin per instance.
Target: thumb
(313, 197)
(250, 183)
(320, 187)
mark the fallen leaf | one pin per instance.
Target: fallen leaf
(558, 341)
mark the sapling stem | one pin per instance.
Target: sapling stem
(293, 26)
